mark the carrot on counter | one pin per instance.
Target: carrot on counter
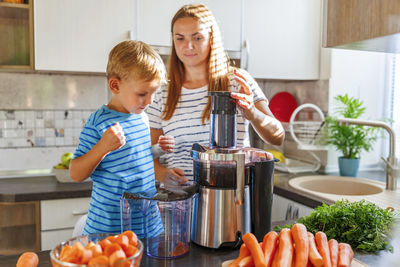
(334, 250)
(300, 238)
(28, 259)
(314, 256)
(269, 246)
(284, 255)
(346, 255)
(323, 248)
(243, 252)
(255, 249)
(246, 262)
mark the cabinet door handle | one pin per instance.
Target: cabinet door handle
(288, 215)
(244, 58)
(76, 213)
(295, 213)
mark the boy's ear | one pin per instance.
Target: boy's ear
(113, 84)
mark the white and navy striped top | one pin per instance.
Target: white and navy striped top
(185, 124)
(127, 169)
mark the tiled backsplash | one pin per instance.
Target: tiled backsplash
(41, 128)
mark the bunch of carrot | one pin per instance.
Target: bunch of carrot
(293, 247)
(111, 251)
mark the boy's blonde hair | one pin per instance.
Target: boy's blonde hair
(135, 58)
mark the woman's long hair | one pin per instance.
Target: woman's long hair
(218, 62)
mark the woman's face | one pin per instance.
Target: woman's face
(192, 42)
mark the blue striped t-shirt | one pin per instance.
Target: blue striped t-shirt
(127, 169)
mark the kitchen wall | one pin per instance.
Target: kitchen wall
(41, 114)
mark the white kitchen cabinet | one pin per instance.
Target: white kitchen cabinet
(286, 209)
(77, 35)
(283, 38)
(58, 218)
(154, 20)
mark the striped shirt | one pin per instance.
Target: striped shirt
(127, 169)
(186, 126)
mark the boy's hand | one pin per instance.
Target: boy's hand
(166, 143)
(174, 176)
(114, 137)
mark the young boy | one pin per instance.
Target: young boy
(114, 146)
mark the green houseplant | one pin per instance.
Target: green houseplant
(350, 140)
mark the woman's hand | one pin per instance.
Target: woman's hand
(113, 138)
(244, 98)
(166, 143)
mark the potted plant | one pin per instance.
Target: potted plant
(350, 140)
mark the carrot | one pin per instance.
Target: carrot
(110, 249)
(334, 250)
(255, 249)
(131, 250)
(28, 259)
(133, 239)
(269, 246)
(98, 261)
(246, 262)
(243, 252)
(346, 255)
(323, 248)
(87, 255)
(314, 256)
(300, 238)
(117, 257)
(285, 250)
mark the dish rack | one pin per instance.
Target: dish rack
(308, 135)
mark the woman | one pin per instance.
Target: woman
(198, 64)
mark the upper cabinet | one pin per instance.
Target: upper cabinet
(154, 20)
(283, 39)
(362, 25)
(16, 34)
(77, 35)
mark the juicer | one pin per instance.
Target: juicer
(235, 184)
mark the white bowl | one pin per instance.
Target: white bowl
(62, 175)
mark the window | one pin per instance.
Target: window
(394, 101)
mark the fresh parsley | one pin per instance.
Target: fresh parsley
(363, 225)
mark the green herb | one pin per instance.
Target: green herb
(361, 224)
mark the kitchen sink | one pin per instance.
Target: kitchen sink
(336, 185)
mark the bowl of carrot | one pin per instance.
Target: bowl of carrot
(102, 250)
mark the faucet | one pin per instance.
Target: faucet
(392, 170)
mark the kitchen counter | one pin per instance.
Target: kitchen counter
(47, 187)
(41, 188)
(197, 257)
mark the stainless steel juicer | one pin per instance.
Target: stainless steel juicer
(235, 184)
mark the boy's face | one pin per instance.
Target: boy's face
(131, 95)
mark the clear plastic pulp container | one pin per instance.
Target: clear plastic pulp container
(166, 221)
